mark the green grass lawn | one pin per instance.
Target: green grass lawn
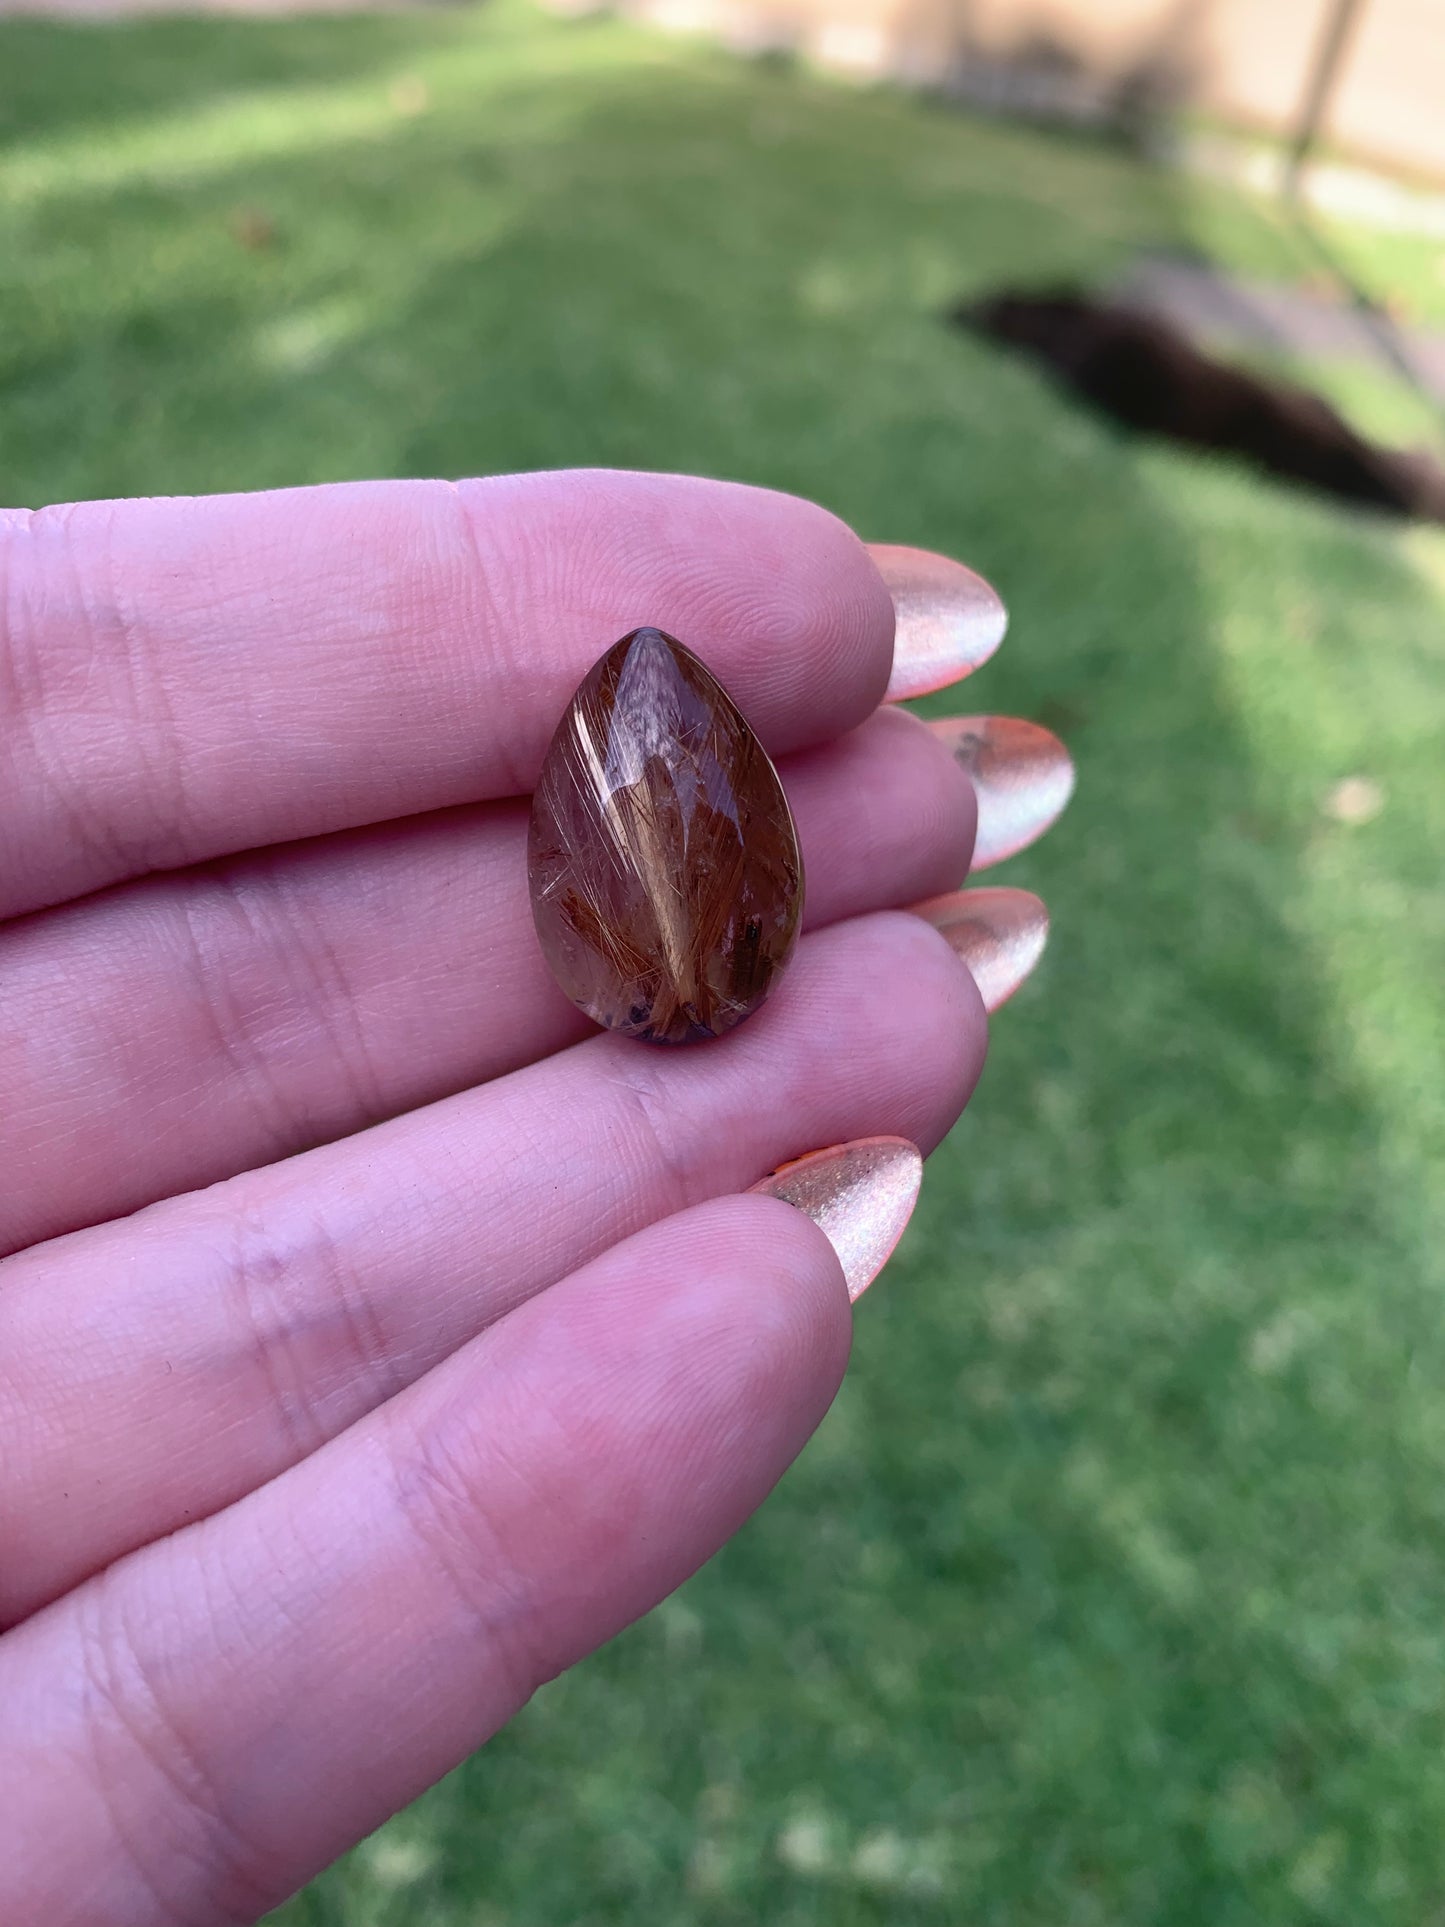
(1113, 1590)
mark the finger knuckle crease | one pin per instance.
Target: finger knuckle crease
(87, 696)
(642, 1090)
(295, 1291)
(463, 1535)
(194, 1866)
(233, 917)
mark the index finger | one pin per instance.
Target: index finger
(198, 1729)
(181, 678)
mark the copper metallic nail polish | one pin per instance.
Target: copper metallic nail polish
(1000, 934)
(947, 619)
(1021, 773)
(860, 1195)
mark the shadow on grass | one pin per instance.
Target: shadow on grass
(1109, 1593)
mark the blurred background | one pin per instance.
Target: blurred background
(1113, 1589)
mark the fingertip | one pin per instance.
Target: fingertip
(948, 799)
(684, 1371)
(776, 594)
(798, 1266)
(738, 1304)
(858, 609)
(813, 619)
(771, 1284)
(951, 1019)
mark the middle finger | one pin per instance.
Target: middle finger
(175, 1031)
(154, 1370)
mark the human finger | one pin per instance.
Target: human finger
(171, 1032)
(156, 1368)
(185, 678)
(192, 1734)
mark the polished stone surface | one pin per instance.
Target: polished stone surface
(665, 877)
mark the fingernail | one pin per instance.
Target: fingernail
(1022, 775)
(860, 1195)
(999, 934)
(947, 619)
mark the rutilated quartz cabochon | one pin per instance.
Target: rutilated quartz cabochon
(663, 864)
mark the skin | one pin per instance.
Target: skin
(376, 1339)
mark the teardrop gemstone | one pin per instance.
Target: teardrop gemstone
(663, 863)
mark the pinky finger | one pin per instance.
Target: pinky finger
(194, 1733)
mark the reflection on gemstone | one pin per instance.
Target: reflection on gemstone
(663, 863)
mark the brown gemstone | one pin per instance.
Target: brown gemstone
(664, 869)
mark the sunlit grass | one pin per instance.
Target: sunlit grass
(1111, 1590)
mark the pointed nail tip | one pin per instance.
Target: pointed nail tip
(998, 934)
(948, 619)
(1020, 795)
(1022, 775)
(925, 669)
(860, 1195)
(1024, 965)
(1030, 944)
(1000, 835)
(910, 681)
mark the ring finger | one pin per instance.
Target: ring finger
(155, 1369)
(252, 1008)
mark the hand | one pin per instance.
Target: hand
(438, 1343)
